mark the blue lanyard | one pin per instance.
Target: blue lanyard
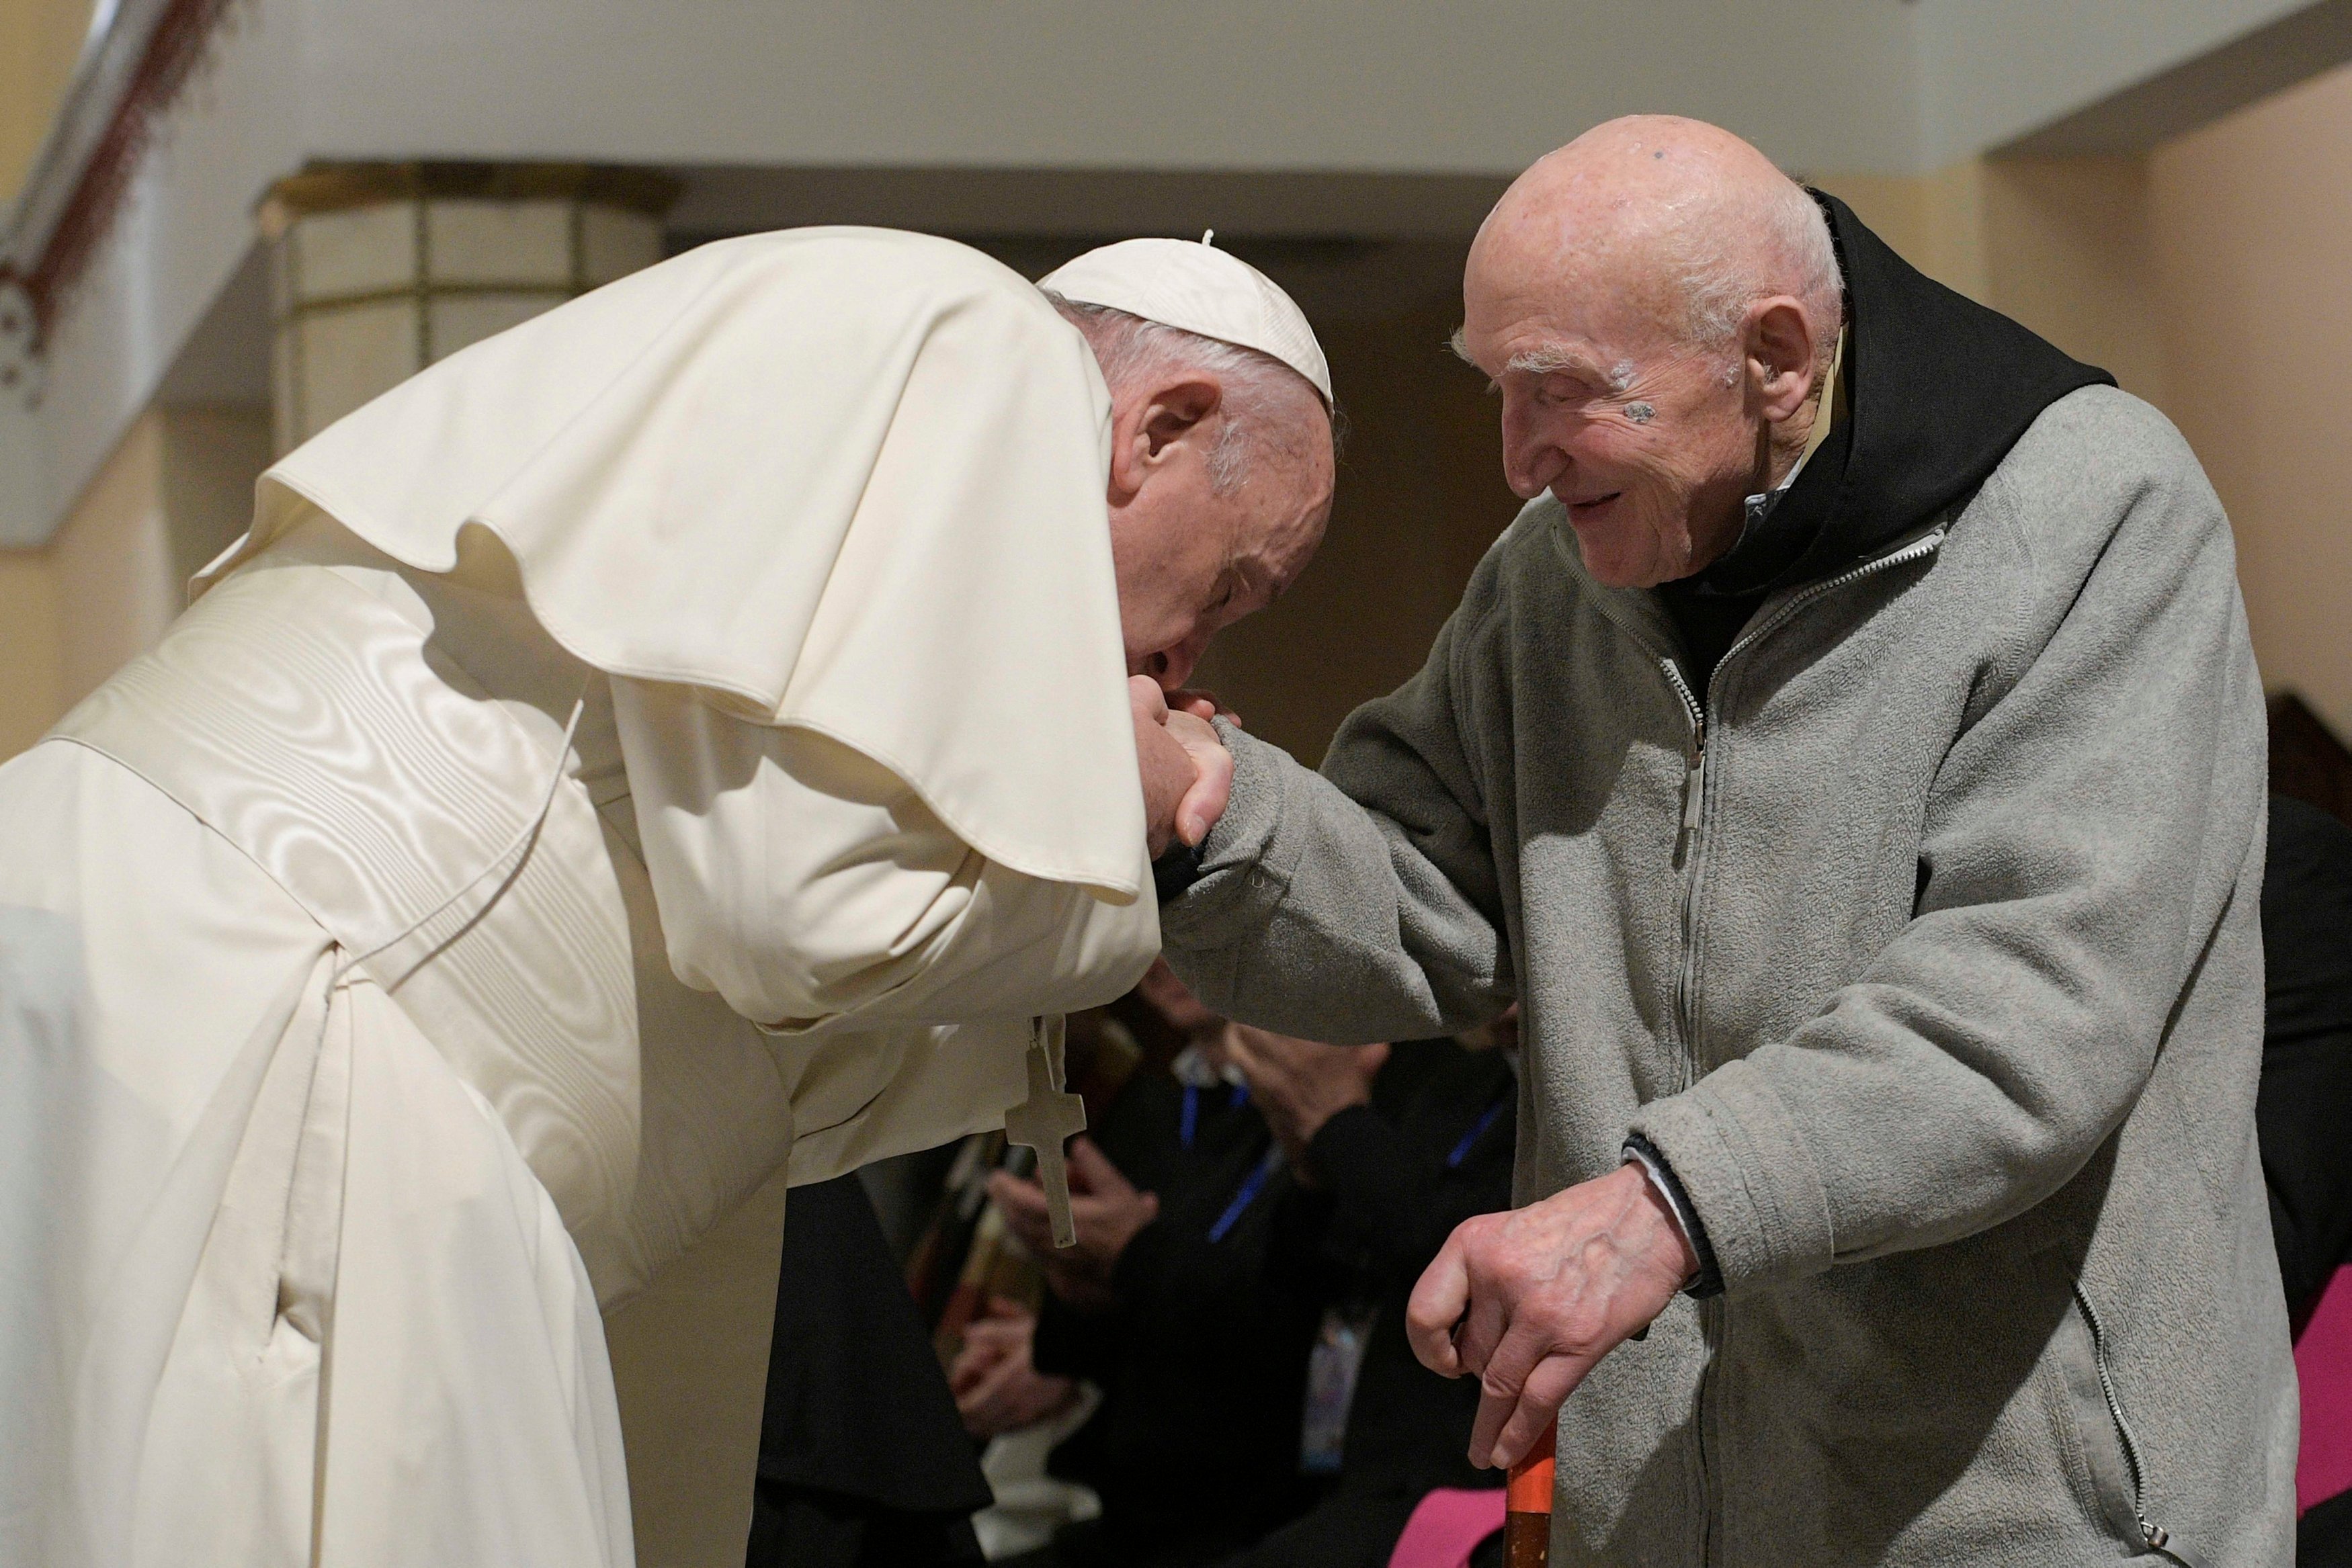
(1477, 1131)
(1237, 1096)
(1252, 1184)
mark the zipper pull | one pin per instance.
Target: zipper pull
(1692, 793)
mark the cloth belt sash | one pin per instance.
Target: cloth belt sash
(305, 721)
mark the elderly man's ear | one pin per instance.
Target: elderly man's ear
(1782, 356)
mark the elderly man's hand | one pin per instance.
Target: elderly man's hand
(1528, 1301)
(1186, 771)
(1105, 1208)
(1300, 1084)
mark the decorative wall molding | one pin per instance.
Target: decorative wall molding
(379, 269)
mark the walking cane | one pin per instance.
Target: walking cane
(1526, 1504)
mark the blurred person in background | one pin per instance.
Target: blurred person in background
(1206, 1446)
(1192, 1299)
(862, 1460)
(2304, 1114)
(1402, 1144)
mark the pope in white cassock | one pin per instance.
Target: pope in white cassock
(678, 747)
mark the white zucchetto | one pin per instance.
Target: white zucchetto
(1195, 286)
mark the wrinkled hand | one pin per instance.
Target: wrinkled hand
(1106, 1210)
(1528, 1301)
(1186, 771)
(996, 1380)
(1298, 1084)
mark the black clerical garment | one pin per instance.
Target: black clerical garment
(1434, 1148)
(2305, 1110)
(862, 1460)
(1202, 1364)
(1933, 393)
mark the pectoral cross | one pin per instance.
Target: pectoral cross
(1043, 1121)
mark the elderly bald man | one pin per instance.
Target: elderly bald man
(1851, 759)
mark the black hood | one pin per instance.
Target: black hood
(1933, 390)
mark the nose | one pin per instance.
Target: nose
(1172, 666)
(1532, 458)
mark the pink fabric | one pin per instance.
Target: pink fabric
(1447, 1527)
(2323, 1365)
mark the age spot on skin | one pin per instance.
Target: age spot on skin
(1640, 413)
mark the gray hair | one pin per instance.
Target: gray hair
(1262, 396)
(1782, 245)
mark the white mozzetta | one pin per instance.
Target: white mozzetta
(803, 471)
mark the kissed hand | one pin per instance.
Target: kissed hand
(1528, 1301)
(1186, 771)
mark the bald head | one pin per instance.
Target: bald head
(1681, 221)
(1657, 305)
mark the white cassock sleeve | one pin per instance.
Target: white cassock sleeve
(806, 883)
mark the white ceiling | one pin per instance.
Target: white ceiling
(1380, 118)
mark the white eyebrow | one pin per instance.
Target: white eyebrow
(1543, 361)
(1549, 360)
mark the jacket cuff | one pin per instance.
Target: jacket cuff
(1708, 1280)
(1226, 881)
(1748, 1174)
(1176, 871)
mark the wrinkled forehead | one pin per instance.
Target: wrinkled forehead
(1553, 323)
(1574, 276)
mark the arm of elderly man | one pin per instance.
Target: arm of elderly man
(2082, 844)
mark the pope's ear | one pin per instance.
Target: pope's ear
(1176, 410)
(1144, 429)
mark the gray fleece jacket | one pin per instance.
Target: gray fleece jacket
(1927, 956)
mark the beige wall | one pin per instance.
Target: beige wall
(2063, 244)
(111, 564)
(176, 491)
(211, 458)
(2253, 220)
(2069, 251)
(28, 649)
(2214, 276)
(39, 41)
(1935, 222)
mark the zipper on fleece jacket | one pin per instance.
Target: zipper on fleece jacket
(1688, 842)
(2153, 1537)
(1687, 837)
(1686, 861)
(1685, 982)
